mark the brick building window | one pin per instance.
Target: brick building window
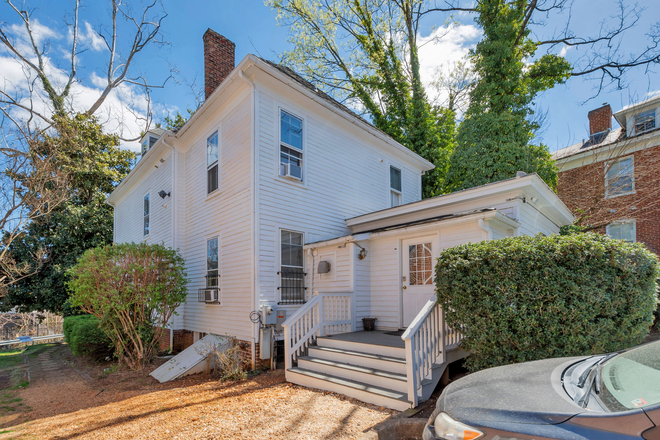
(620, 177)
(623, 230)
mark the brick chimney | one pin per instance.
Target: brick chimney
(600, 119)
(218, 60)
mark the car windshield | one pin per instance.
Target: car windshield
(631, 379)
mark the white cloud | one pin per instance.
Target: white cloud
(123, 111)
(564, 51)
(92, 39)
(442, 49)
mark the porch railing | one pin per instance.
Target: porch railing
(426, 339)
(324, 314)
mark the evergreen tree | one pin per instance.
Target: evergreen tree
(495, 140)
(94, 164)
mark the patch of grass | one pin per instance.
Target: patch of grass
(8, 402)
(110, 370)
(13, 357)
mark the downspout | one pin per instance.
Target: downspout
(483, 225)
(254, 211)
(310, 252)
(174, 197)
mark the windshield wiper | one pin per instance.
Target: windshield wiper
(595, 379)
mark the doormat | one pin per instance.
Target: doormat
(396, 333)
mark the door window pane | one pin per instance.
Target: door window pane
(420, 261)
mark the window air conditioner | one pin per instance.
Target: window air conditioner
(211, 295)
(292, 171)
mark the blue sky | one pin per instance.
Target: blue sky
(252, 26)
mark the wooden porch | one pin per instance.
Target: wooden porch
(398, 370)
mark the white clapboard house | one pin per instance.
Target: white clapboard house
(276, 194)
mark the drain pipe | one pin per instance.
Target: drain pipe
(483, 225)
(174, 196)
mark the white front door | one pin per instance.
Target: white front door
(418, 258)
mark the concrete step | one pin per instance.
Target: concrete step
(366, 375)
(368, 360)
(367, 393)
(362, 346)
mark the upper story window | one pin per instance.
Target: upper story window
(291, 146)
(644, 122)
(212, 163)
(620, 177)
(395, 186)
(147, 143)
(146, 216)
(623, 230)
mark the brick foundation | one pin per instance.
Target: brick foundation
(182, 339)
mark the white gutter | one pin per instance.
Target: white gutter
(255, 214)
(485, 227)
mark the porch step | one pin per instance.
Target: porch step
(365, 375)
(367, 360)
(376, 344)
(366, 393)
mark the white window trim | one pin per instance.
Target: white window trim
(206, 271)
(618, 222)
(278, 268)
(389, 185)
(279, 143)
(207, 166)
(147, 194)
(608, 165)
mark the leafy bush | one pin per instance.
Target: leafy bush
(85, 338)
(526, 298)
(133, 290)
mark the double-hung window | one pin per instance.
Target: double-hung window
(620, 177)
(210, 294)
(291, 146)
(212, 263)
(395, 186)
(212, 163)
(145, 224)
(623, 230)
(292, 273)
(645, 121)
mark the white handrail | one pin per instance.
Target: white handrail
(326, 313)
(425, 344)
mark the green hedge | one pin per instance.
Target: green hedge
(526, 298)
(85, 338)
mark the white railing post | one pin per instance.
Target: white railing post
(426, 340)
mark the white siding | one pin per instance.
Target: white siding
(532, 222)
(226, 214)
(129, 210)
(344, 177)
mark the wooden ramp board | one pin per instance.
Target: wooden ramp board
(191, 360)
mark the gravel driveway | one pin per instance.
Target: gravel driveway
(134, 406)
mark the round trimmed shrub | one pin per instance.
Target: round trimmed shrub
(85, 337)
(526, 298)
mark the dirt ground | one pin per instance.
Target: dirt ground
(71, 399)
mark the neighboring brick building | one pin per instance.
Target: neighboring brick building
(611, 181)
